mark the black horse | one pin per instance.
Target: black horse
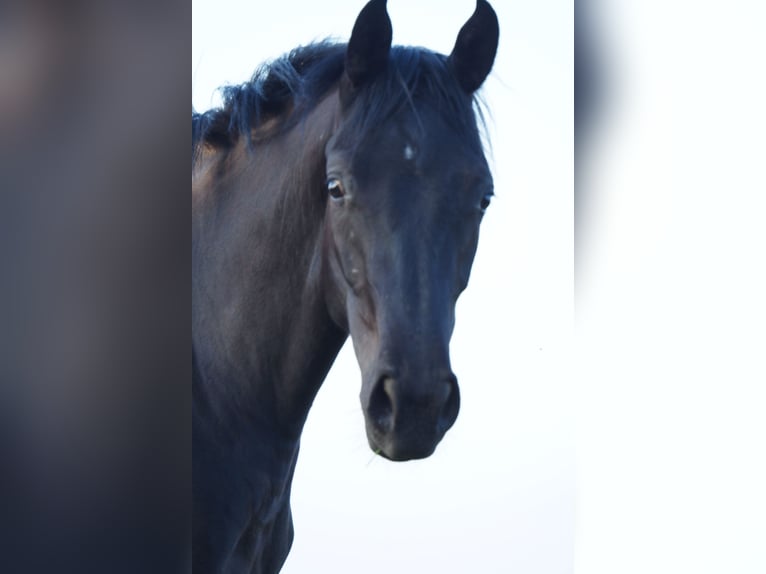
(338, 192)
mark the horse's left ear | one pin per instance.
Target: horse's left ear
(370, 44)
(475, 48)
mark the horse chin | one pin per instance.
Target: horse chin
(399, 448)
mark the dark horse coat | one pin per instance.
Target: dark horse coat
(337, 193)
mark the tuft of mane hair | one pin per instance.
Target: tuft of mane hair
(304, 74)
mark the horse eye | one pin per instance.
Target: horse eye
(485, 201)
(335, 188)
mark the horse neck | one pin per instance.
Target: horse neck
(261, 333)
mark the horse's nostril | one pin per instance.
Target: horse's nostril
(381, 407)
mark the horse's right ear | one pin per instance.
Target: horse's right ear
(370, 44)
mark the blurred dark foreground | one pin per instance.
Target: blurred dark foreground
(94, 292)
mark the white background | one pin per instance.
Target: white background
(498, 494)
(671, 294)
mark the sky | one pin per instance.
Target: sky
(498, 494)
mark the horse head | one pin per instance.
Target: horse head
(407, 185)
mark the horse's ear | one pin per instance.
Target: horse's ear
(370, 44)
(475, 48)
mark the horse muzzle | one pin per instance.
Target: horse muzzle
(406, 418)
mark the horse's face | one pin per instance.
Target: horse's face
(403, 222)
(405, 200)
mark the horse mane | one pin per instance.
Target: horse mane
(296, 79)
(292, 85)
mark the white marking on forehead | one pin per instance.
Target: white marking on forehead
(409, 152)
